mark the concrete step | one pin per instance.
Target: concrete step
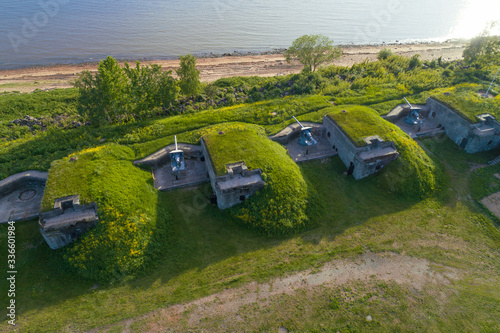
(494, 161)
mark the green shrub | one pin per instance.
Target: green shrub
(384, 54)
(124, 240)
(279, 208)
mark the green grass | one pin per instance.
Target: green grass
(467, 100)
(40, 103)
(279, 208)
(205, 251)
(126, 236)
(196, 250)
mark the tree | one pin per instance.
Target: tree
(312, 51)
(150, 87)
(117, 94)
(189, 76)
(482, 50)
(103, 96)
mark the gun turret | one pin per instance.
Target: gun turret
(413, 117)
(306, 138)
(177, 159)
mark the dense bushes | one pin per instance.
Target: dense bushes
(116, 94)
(413, 174)
(125, 238)
(279, 208)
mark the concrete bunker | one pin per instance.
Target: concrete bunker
(361, 161)
(438, 117)
(237, 185)
(67, 221)
(21, 196)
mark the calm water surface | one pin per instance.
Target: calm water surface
(34, 32)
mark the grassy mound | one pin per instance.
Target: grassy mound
(413, 174)
(123, 241)
(279, 208)
(468, 100)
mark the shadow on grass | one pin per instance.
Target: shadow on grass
(204, 250)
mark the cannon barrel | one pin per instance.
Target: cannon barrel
(298, 122)
(407, 102)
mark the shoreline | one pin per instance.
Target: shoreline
(216, 66)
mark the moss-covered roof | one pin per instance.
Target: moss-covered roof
(237, 142)
(127, 206)
(467, 100)
(413, 173)
(358, 122)
(280, 207)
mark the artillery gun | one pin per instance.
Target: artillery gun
(413, 117)
(306, 138)
(177, 159)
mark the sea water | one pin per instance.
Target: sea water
(42, 32)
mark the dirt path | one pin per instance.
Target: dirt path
(61, 76)
(385, 267)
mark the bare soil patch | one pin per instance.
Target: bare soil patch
(401, 269)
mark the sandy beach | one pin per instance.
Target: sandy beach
(61, 76)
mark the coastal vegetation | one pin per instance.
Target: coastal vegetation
(189, 76)
(312, 51)
(154, 249)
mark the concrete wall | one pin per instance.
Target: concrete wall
(60, 227)
(481, 136)
(230, 197)
(233, 196)
(210, 167)
(365, 160)
(455, 126)
(22, 179)
(346, 149)
(367, 163)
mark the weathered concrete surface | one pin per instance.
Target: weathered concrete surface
(68, 221)
(300, 153)
(427, 128)
(481, 136)
(402, 110)
(164, 179)
(236, 186)
(162, 156)
(21, 196)
(196, 173)
(360, 161)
